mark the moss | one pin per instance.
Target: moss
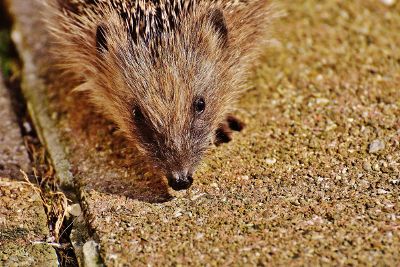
(5, 60)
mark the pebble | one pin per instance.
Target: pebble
(245, 177)
(376, 167)
(367, 166)
(90, 253)
(27, 127)
(215, 185)
(376, 146)
(178, 213)
(294, 201)
(270, 161)
(195, 197)
(382, 191)
(199, 236)
(388, 2)
(74, 210)
(321, 101)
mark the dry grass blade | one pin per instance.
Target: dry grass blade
(55, 204)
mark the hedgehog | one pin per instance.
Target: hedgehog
(168, 73)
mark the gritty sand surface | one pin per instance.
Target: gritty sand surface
(313, 179)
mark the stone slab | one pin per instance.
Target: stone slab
(297, 187)
(23, 221)
(13, 154)
(23, 227)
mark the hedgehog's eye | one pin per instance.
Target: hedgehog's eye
(137, 114)
(199, 105)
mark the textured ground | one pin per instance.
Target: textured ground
(23, 225)
(23, 221)
(313, 179)
(13, 155)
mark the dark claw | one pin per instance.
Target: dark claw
(234, 123)
(223, 135)
(224, 132)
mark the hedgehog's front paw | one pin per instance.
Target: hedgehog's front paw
(224, 132)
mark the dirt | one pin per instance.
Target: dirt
(298, 186)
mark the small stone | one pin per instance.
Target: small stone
(367, 166)
(75, 210)
(320, 179)
(321, 101)
(27, 127)
(376, 167)
(54, 116)
(90, 253)
(199, 236)
(330, 126)
(294, 201)
(270, 161)
(385, 168)
(195, 197)
(178, 213)
(382, 191)
(376, 146)
(388, 2)
(364, 183)
(215, 185)
(34, 198)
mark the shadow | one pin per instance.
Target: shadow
(102, 159)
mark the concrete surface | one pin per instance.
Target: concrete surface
(13, 155)
(23, 227)
(33, 88)
(299, 186)
(23, 221)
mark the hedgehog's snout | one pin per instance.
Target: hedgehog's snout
(180, 180)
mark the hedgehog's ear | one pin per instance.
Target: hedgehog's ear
(218, 22)
(101, 39)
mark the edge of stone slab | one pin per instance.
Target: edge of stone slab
(22, 159)
(86, 249)
(31, 86)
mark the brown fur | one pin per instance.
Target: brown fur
(153, 66)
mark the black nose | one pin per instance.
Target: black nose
(180, 181)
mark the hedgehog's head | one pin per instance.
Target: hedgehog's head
(170, 94)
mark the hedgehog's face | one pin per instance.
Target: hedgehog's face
(177, 139)
(175, 121)
(173, 100)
